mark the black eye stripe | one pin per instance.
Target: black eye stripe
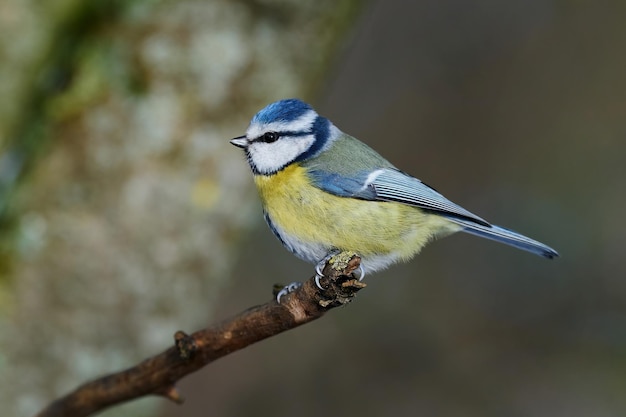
(282, 134)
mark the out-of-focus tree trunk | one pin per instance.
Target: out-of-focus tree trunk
(122, 201)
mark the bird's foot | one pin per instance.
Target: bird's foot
(287, 289)
(338, 260)
(361, 270)
(319, 268)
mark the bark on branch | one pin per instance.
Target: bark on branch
(159, 374)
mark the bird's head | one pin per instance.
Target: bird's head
(282, 133)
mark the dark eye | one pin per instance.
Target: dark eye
(270, 137)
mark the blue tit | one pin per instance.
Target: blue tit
(324, 191)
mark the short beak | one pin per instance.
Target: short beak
(240, 142)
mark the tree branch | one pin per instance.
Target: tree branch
(159, 374)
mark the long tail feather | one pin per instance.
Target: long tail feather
(500, 234)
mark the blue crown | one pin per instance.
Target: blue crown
(282, 111)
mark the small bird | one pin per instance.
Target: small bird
(324, 192)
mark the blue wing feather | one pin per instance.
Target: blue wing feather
(343, 186)
(391, 185)
(502, 235)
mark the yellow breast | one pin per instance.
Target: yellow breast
(370, 228)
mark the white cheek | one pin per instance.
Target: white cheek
(271, 157)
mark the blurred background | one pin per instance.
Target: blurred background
(126, 215)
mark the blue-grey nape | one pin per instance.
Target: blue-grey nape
(321, 130)
(286, 110)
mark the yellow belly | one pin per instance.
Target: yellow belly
(370, 228)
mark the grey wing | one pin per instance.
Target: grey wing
(387, 184)
(392, 185)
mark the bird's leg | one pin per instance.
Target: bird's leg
(336, 258)
(319, 267)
